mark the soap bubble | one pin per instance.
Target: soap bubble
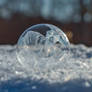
(42, 41)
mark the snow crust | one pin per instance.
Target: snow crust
(72, 74)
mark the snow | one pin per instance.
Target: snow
(72, 74)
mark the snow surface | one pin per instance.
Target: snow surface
(72, 74)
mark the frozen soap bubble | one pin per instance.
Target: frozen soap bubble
(41, 40)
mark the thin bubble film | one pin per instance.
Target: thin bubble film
(42, 40)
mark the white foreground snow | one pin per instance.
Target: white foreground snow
(72, 74)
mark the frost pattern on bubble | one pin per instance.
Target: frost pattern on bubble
(44, 41)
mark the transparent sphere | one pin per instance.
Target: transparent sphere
(41, 41)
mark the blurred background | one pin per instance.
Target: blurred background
(74, 17)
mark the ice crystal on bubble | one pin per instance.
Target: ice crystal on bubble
(42, 40)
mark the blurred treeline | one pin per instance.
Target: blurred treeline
(74, 17)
